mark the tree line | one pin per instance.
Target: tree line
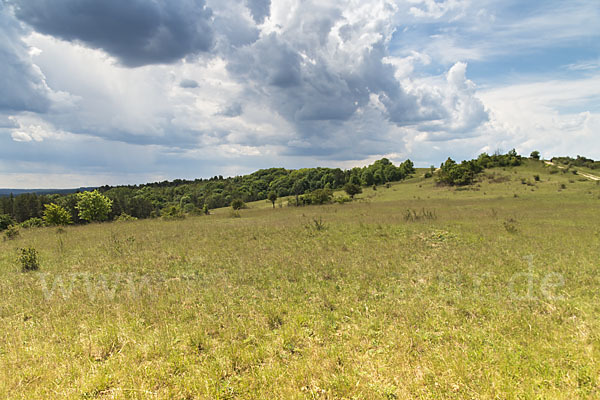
(178, 197)
(577, 162)
(173, 199)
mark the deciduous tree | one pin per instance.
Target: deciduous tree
(352, 189)
(93, 206)
(272, 196)
(56, 215)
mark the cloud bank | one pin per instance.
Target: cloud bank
(136, 32)
(190, 88)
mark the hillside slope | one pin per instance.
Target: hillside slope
(415, 291)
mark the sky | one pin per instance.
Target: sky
(127, 92)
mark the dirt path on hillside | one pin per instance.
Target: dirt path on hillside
(584, 174)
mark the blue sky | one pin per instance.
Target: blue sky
(117, 92)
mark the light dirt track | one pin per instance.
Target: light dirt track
(584, 174)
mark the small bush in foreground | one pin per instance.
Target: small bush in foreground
(125, 217)
(510, 225)
(29, 259)
(12, 232)
(317, 225)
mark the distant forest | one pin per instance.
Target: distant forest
(15, 192)
(303, 186)
(186, 196)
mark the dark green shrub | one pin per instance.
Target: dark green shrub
(462, 174)
(125, 217)
(29, 259)
(352, 189)
(238, 204)
(172, 212)
(6, 221)
(319, 196)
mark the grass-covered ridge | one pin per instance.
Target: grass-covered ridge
(412, 291)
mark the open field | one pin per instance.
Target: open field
(492, 292)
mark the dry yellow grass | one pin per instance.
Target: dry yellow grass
(271, 305)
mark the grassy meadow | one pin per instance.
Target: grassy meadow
(409, 292)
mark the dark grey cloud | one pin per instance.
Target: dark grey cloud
(268, 61)
(260, 9)
(306, 87)
(136, 32)
(317, 94)
(297, 91)
(188, 84)
(22, 85)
